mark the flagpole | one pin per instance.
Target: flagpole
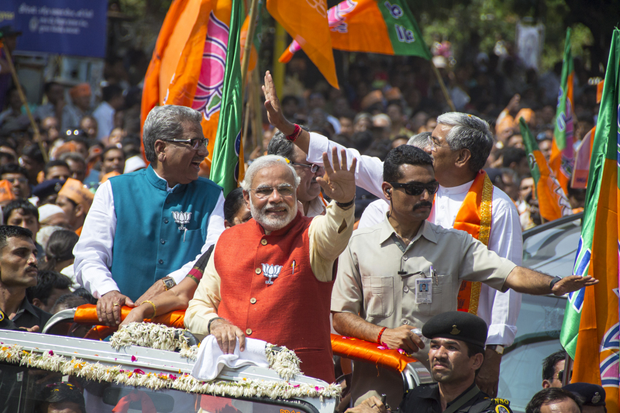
(279, 45)
(443, 86)
(257, 119)
(249, 39)
(22, 97)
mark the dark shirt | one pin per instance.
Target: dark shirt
(28, 316)
(426, 399)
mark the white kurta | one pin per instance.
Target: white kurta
(499, 310)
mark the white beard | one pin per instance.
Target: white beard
(269, 223)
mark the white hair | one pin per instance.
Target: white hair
(420, 140)
(469, 132)
(265, 162)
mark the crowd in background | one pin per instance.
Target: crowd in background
(89, 134)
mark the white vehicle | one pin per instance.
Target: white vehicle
(134, 379)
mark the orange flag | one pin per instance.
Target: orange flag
(552, 200)
(151, 89)
(590, 330)
(188, 64)
(372, 26)
(306, 22)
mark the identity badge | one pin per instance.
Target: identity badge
(424, 291)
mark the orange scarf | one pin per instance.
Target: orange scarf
(474, 217)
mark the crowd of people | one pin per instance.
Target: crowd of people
(373, 211)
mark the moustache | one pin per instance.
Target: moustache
(422, 204)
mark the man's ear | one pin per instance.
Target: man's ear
(462, 158)
(477, 360)
(79, 210)
(160, 150)
(246, 198)
(37, 303)
(387, 190)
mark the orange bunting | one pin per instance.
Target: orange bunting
(356, 349)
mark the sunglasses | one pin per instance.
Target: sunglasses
(561, 375)
(417, 188)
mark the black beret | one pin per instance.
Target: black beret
(62, 392)
(592, 394)
(457, 325)
(47, 188)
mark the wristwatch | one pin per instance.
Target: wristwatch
(553, 282)
(345, 205)
(168, 283)
(499, 349)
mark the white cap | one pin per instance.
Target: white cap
(48, 210)
(134, 163)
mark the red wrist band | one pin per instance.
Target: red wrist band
(380, 334)
(293, 137)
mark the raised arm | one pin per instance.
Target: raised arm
(369, 170)
(276, 117)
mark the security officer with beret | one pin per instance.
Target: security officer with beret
(591, 396)
(456, 352)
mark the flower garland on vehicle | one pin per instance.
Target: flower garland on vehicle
(284, 361)
(47, 360)
(157, 336)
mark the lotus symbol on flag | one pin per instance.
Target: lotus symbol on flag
(271, 272)
(182, 218)
(208, 95)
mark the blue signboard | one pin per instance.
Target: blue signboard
(68, 27)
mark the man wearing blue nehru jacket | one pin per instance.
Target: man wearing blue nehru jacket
(144, 225)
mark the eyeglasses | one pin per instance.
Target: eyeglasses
(195, 143)
(314, 168)
(263, 192)
(416, 188)
(561, 375)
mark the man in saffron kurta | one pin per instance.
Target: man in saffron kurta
(276, 284)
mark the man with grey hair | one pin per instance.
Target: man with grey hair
(459, 145)
(144, 225)
(277, 287)
(309, 190)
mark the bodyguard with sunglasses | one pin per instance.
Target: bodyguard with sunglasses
(144, 225)
(394, 276)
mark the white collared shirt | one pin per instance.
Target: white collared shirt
(499, 310)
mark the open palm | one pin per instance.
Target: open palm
(338, 183)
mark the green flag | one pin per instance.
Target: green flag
(591, 258)
(562, 158)
(227, 164)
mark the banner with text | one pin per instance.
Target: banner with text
(69, 27)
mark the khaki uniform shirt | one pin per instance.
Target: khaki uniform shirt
(369, 284)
